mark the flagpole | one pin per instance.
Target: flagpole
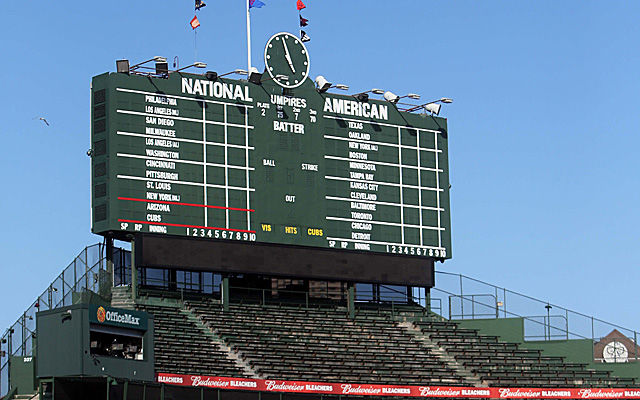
(248, 39)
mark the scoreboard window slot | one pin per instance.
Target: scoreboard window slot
(429, 218)
(428, 178)
(215, 134)
(216, 176)
(429, 197)
(236, 136)
(411, 216)
(236, 114)
(412, 236)
(215, 154)
(237, 177)
(295, 143)
(410, 196)
(284, 141)
(410, 176)
(268, 174)
(427, 140)
(409, 137)
(291, 176)
(410, 157)
(236, 156)
(427, 159)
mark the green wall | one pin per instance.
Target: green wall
(573, 350)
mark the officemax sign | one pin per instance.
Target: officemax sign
(112, 316)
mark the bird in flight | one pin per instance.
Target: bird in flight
(44, 120)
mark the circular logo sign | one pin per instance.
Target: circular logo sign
(615, 352)
(102, 314)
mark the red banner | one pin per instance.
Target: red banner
(393, 390)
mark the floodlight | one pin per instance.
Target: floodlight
(413, 96)
(322, 84)
(254, 75)
(391, 97)
(361, 97)
(54, 289)
(122, 66)
(433, 108)
(162, 68)
(364, 96)
(196, 64)
(157, 59)
(235, 71)
(278, 77)
(211, 75)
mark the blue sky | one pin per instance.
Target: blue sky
(543, 129)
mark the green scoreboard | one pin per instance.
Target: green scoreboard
(274, 162)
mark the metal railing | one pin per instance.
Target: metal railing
(469, 298)
(87, 272)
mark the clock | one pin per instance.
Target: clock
(286, 60)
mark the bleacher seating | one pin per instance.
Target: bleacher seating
(324, 344)
(180, 347)
(505, 364)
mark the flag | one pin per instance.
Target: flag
(304, 37)
(300, 5)
(195, 23)
(303, 21)
(199, 4)
(256, 4)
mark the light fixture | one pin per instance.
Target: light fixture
(235, 71)
(122, 66)
(278, 77)
(322, 85)
(254, 75)
(364, 96)
(54, 289)
(211, 75)
(433, 106)
(157, 59)
(162, 68)
(391, 97)
(196, 64)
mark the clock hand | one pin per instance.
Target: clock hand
(288, 56)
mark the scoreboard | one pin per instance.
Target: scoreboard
(274, 162)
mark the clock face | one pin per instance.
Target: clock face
(286, 60)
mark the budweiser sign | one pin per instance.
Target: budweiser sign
(358, 389)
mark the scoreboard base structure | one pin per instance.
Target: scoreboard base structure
(159, 251)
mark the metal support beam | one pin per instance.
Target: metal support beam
(351, 303)
(134, 271)
(224, 292)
